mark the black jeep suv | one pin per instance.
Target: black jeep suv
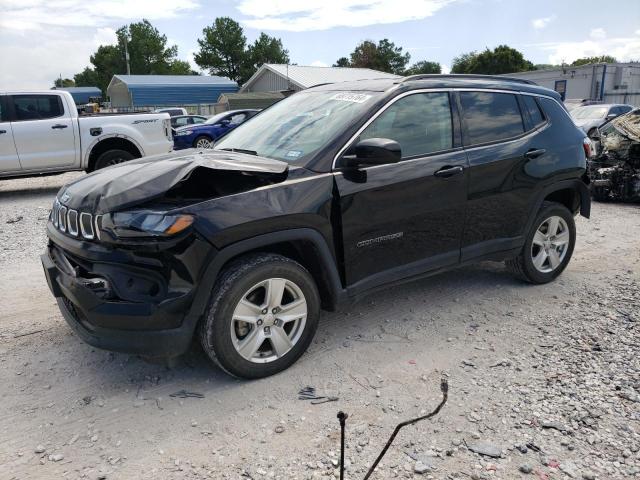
(328, 195)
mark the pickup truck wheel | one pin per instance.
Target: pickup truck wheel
(548, 247)
(112, 157)
(203, 142)
(262, 316)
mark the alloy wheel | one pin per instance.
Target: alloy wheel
(204, 143)
(550, 244)
(269, 320)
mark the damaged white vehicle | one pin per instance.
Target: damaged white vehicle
(615, 170)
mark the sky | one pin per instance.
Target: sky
(43, 39)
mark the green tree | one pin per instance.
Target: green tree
(64, 82)
(223, 49)
(502, 59)
(342, 62)
(423, 67)
(86, 78)
(590, 60)
(149, 54)
(384, 56)
(265, 49)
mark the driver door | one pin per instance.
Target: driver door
(402, 219)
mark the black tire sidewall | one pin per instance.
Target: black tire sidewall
(548, 210)
(111, 154)
(216, 329)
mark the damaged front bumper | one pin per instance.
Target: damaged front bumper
(128, 301)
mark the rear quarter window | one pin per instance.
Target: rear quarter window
(490, 117)
(533, 110)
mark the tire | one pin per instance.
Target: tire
(527, 265)
(112, 157)
(224, 337)
(202, 140)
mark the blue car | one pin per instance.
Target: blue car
(204, 134)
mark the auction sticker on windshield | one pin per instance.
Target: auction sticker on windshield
(351, 97)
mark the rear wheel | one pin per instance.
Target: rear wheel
(112, 157)
(548, 247)
(262, 316)
(203, 142)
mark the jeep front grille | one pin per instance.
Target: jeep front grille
(74, 223)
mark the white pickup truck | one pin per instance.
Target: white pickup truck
(41, 132)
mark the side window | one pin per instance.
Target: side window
(197, 120)
(181, 121)
(532, 107)
(237, 119)
(490, 116)
(37, 107)
(420, 123)
(625, 109)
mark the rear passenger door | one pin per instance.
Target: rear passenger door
(500, 135)
(43, 132)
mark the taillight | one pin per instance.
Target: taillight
(588, 148)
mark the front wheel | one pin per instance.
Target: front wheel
(262, 316)
(548, 246)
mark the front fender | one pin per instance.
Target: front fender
(330, 276)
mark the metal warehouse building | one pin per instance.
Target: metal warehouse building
(81, 94)
(167, 90)
(607, 82)
(274, 77)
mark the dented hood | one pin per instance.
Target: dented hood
(136, 181)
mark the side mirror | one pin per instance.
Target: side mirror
(373, 151)
(595, 135)
(612, 115)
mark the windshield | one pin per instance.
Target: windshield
(295, 128)
(216, 118)
(589, 112)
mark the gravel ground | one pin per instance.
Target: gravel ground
(544, 380)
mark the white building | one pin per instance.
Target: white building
(273, 77)
(607, 82)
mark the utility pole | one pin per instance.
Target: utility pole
(126, 56)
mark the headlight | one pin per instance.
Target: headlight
(145, 224)
(181, 133)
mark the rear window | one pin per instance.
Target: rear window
(533, 109)
(490, 117)
(37, 107)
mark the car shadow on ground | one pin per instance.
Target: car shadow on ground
(195, 372)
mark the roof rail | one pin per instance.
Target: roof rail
(431, 76)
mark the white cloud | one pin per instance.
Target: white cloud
(36, 14)
(598, 33)
(293, 15)
(540, 23)
(624, 49)
(446, 69)
(318, 63)
(41, 39)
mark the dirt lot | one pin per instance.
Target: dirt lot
(543, 379)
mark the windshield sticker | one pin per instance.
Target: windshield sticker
(351, 97)
(293, 154)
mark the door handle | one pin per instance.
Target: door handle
(58, 126)
(2, 131)
(535, 153)
(446, 172)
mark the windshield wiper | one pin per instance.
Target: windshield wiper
(240, 150)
